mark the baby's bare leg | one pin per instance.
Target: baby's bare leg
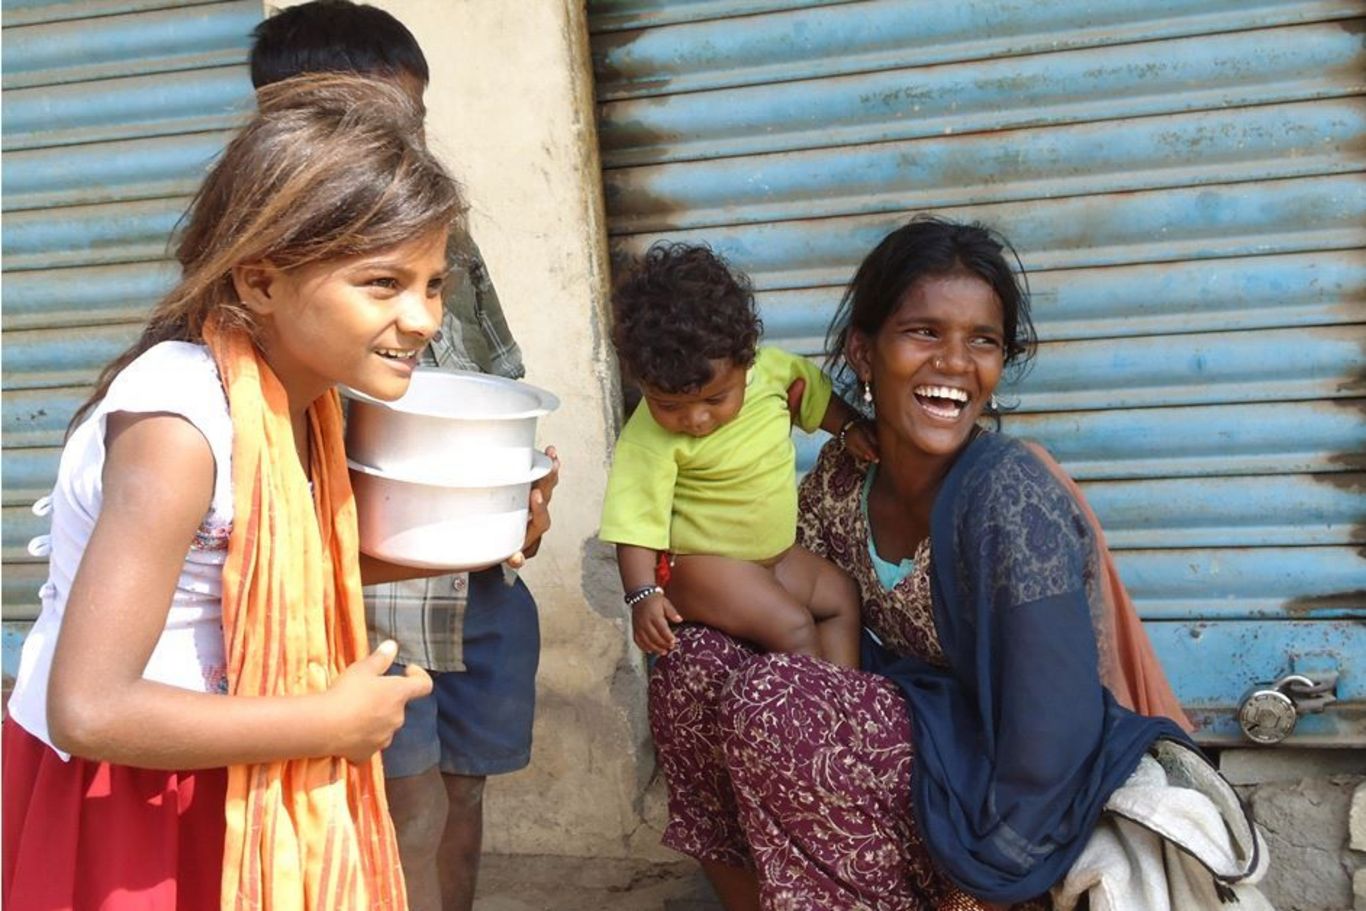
(830, 596)
(743, 599)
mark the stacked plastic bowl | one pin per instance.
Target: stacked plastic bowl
(442, 475)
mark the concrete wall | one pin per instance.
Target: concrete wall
(1311, 806)
(510, 109)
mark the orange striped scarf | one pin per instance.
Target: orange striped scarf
(302, 833)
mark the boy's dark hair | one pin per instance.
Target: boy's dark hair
(678, 308)
(334, 36)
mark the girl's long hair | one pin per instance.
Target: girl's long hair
(330, 166)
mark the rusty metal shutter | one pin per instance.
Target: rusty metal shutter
(112, 109)
(1183, 179)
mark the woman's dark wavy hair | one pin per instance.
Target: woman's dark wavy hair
(931, 247)
(678, 308)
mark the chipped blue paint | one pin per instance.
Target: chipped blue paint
(1264, 438)
(45, 358)
(118, 293)
(89, 235)
(19, 587)
(12, 636)
(112, 109)
(1234, 293)
(1179, 224)
(129, 44)
(1219, 146)
(1091, 84)
(108, 171)
(820, 40)
(1310, 363)
(607, 15)
(1248, 653)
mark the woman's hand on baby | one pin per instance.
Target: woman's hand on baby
(538, 512)
(794, 398)
(650, 621)
(861, 440)
(368, 703)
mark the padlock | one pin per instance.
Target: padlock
(1267, 715)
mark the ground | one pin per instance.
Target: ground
(539, 883)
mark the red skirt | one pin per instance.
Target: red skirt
(93, 836)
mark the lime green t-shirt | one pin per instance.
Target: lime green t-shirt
(732, 493)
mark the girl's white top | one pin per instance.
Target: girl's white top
(171, 377)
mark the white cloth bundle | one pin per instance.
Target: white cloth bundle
(1174, 837)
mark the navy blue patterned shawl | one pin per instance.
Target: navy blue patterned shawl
(1018, 745)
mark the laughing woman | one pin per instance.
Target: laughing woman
(1007, 686)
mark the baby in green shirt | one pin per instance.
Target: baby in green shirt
(705, 473)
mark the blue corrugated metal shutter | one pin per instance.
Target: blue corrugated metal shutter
(112, 110)
(1183, 180)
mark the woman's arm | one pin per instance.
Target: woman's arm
(158, 481)
(837, 414)
(839, 418)
(851, 429)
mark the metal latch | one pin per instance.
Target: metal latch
(1269, 711)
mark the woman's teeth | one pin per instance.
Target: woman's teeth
(942, 392)
(942, 401)
(397, 354)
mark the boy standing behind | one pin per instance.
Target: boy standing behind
(476, 633)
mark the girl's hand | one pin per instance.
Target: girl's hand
(368, 704)
(650, 621)
(538, 512)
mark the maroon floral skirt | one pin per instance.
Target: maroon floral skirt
(796, 768)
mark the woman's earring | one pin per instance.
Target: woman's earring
(992, 406)
(867, 393)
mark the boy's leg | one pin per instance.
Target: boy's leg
(743, 599)
(832, 598)
(463, 840)
(417, 798)
(484, 717)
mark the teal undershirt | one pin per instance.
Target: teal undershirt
(889, 574)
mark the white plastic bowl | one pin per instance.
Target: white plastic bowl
(450, 427)
(441, 526)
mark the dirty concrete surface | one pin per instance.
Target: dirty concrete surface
(1315, 829)
(543, 883)
(1314, 853)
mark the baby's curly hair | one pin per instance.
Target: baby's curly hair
(678, 308)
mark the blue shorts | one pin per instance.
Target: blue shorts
(478, 721)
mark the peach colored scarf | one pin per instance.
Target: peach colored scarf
(1129, 668)
(302, 833)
